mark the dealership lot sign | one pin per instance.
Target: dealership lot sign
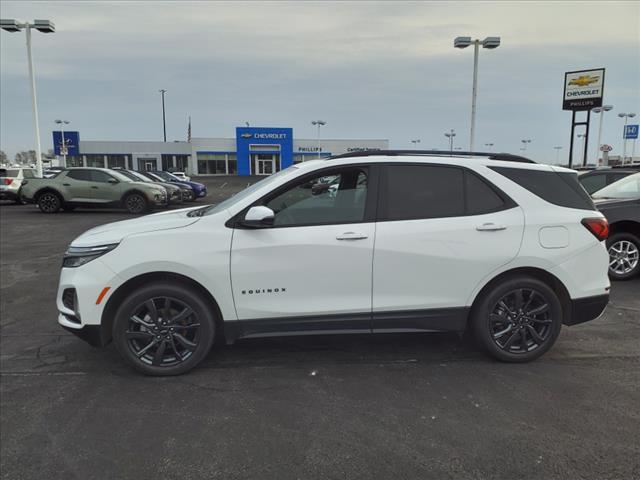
(583, 89)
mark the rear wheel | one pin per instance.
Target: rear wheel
(49, 202)
(624, 256)
(136, 203)
(164, 329)
(518, 320)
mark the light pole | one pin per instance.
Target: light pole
(600, 110)
(450, 136)
(63, 146)
(43, 26)
(626, 117)
(490, 145)
(464, 42)
(318, 123)
(525, 141)
(558, 148)
(415, 141)
(583, 136)
(164, 122)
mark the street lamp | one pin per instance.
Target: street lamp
(63, 146)
(558, 148)
(600, 110)
(626, 117)
(583, 136)
(318, 123)
(488, 145)
(464, 42)
(164, 122)
(450, 136)
(415, 141)
(43, 26)
(525, 141)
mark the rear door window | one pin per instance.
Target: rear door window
(421, 191)
(558, 188)
(98, 176)
(480, 197)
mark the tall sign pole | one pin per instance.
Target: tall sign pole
(583, 90)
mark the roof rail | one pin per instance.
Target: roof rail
(436, 153)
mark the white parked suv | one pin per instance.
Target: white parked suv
(405, 243)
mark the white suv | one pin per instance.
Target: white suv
(404, 243)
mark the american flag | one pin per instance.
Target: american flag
(189, 131)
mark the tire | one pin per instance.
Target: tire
(624, 250)
(155, 345)
(498, 313)
(49, 202)
(136, 203)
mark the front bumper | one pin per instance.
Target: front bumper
(202, 193)
(586, 309)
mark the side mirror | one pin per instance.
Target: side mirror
(113, 181)
(258, 217)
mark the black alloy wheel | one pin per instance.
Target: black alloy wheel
(164, 329)
(521, 321)
(135, 203)
(518, 320)
(49, 202)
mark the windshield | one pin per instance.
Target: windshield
(165, 176)
(119, 175)
(129, 175)
(628, 187)
(241, 195)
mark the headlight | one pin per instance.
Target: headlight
(78, 256)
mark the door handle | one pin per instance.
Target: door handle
(351, 236)
(66, 184)
(490, 227)
(94, 187)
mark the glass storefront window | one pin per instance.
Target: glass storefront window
(232, 163)
(182, 163)
(216, 163)
(75, 161)
(116, 161)
(94, 160)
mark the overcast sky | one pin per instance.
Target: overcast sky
(369, 69)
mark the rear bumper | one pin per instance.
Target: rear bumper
(586, 309)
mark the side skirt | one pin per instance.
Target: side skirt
(430, 320)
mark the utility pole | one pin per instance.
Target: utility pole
(164, 121)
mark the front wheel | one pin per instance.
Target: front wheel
(136, 203)
(517, 320)
(624, 256)
(164, 329)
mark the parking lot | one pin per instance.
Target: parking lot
(387, 406)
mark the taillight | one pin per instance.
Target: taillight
(8, 181)
(598, 226)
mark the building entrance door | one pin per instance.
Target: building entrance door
(264, 163)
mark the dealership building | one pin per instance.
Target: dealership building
(253, 151)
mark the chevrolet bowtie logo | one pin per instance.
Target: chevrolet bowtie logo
(584, 80)
(246, 135)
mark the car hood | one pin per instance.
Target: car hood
(194, 185)
(146, 185)
(115, 232)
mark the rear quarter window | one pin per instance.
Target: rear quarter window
(558, 188)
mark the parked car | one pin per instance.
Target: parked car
(181, 176)
(594, 180)
(199, 188)
(174, 192)
(620, 203)
(188, 194)
(11, 183)
(408, 243)
(92, 187)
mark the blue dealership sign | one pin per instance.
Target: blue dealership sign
(252, 141)
(630, 132)
(71, 141)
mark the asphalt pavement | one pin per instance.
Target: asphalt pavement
(427, 406)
